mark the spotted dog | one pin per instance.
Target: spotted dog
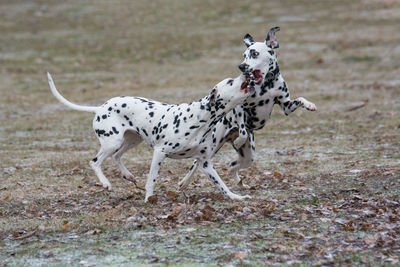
(174, 131)
(237, 127)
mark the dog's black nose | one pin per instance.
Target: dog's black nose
(243, 67)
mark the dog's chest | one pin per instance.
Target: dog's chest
(258, 110)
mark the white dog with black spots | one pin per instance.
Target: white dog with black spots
(237, 126)
(176, 131)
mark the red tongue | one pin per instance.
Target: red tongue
(257, 76)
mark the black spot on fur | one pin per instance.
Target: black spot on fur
(115, 130)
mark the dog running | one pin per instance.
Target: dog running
(237, 127)
(176, 131)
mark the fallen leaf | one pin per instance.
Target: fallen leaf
(153, 199)
(240, 256)
(65, 227)
(348, 227)
(6, 197)
(172, 195)
(370, 240)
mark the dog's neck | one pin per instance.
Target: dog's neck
(210, 112)
(208, 115)
(271, 76)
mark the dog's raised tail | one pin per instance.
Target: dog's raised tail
(65, 101)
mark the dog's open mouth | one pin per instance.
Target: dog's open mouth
(252, 78)
(257, 76)
(248, 85)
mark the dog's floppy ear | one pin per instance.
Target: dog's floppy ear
(212, 96)
(271, 40)
(248, 40)
(210, 99)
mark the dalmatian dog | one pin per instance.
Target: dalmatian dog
(175, 131)
(237, 127)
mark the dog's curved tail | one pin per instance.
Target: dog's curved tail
(65, 101)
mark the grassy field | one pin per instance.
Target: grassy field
(326, 184)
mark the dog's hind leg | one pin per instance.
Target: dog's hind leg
(106, 150)
(208, 169)
(131, 139)
(245, 159)
(189, 177)
(158, 158)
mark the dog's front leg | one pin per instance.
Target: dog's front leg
(208, 169)
(288, 106)
(158, 158)
(243, 135)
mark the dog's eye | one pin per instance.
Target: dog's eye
(255, 54)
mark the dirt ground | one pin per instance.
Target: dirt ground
(325, 184)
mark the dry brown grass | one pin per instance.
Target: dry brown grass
(321, 170)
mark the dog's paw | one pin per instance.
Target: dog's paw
(107, 186)
(239, 197)
(182, 185)
(243, 185)
(308, 105)
(129, 177)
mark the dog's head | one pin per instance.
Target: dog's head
(260, 57)
(229, 93)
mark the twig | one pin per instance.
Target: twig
(29, 234)
(358, 106)
(134, 182)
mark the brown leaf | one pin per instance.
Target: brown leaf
(153, 199)
(277, 174)
(366, 226)
(172, 195)
(268, 208)
(370, 240)
(65, 227)
(348, 227)
(208, 213)
(6, 197)
(334, 209)
(240, 256)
